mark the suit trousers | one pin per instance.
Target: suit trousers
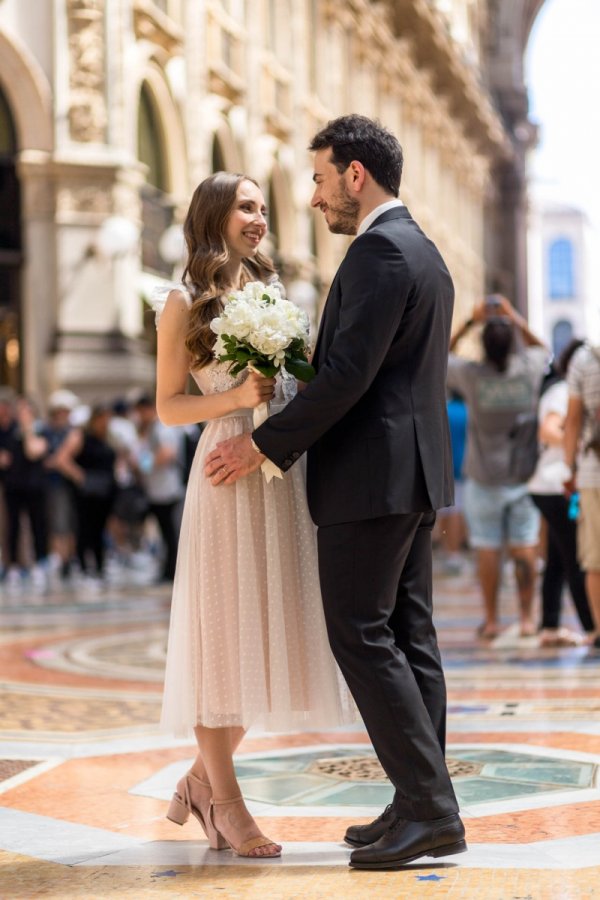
(376, 582)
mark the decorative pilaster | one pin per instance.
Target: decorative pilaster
(87, 70)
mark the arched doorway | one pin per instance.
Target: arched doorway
(11, 253)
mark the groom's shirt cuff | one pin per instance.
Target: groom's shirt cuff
(285, 464)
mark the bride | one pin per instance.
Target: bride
(247, 639)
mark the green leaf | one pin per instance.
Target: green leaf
(296, 347)
(300, 369)
(266, 369)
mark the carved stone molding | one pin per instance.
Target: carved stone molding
(84, 198)
(82, 362)
(152, 24)
(86, 38)
(434, 49)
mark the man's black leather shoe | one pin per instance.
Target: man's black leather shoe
(363, 835)
(406, 841)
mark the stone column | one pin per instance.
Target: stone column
(96, 349)
(39, 288)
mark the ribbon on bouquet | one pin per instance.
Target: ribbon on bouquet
(260, 414)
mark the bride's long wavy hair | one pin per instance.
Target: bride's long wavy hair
(205, 273)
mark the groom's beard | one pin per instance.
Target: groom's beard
(344, 214)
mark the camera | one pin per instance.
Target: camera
(492, 304)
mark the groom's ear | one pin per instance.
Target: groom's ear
(355, 176)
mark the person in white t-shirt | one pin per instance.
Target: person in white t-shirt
(547, 492)
(582, 455)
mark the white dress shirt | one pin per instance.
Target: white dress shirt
(375, 213)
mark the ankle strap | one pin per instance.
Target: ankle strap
(214, 802)
(195, 778)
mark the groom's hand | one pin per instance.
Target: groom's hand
(232, 459)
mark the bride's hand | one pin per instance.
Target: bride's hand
(256, 389)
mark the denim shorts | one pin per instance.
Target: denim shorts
(500, 514)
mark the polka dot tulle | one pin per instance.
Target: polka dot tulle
(247, 641)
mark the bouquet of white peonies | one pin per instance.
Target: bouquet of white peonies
(260, 329)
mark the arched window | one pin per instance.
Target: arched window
(150, 140)
(274, 235)
(561, 269)
(218, 157)
(157, 207)
(8, 139)
(562, 333)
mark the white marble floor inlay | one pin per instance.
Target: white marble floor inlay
(69, 844)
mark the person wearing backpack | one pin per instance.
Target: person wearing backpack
(547, 492)
(582, 456)
(499, 390)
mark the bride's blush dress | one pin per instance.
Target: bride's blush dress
(247, 640)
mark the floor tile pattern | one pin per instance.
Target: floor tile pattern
(46, 709)
(11, 767)
(85, 774)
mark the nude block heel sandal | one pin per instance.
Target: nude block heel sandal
(246, 848)
(180, 808)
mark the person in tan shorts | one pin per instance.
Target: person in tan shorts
(582, 455)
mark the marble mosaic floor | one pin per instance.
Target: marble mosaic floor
(85, 774)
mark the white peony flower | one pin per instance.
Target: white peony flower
(259, 318)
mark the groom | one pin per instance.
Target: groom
(379, 464)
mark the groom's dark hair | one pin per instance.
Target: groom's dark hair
(366, 141)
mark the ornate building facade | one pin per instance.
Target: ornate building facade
(111, 111)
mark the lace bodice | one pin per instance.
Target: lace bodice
(214, 377)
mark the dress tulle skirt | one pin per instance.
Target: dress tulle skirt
(247, 641)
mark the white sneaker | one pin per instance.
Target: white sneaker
(14, 582)
(91, 584)
(39, 578)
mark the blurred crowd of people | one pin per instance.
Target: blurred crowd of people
(89, 494)
(102, 487)
(526, 440)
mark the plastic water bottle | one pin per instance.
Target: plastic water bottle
(146, 461)
(573, 512)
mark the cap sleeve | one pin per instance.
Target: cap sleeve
(160, 294)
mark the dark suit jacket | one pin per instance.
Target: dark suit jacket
(374, 417)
